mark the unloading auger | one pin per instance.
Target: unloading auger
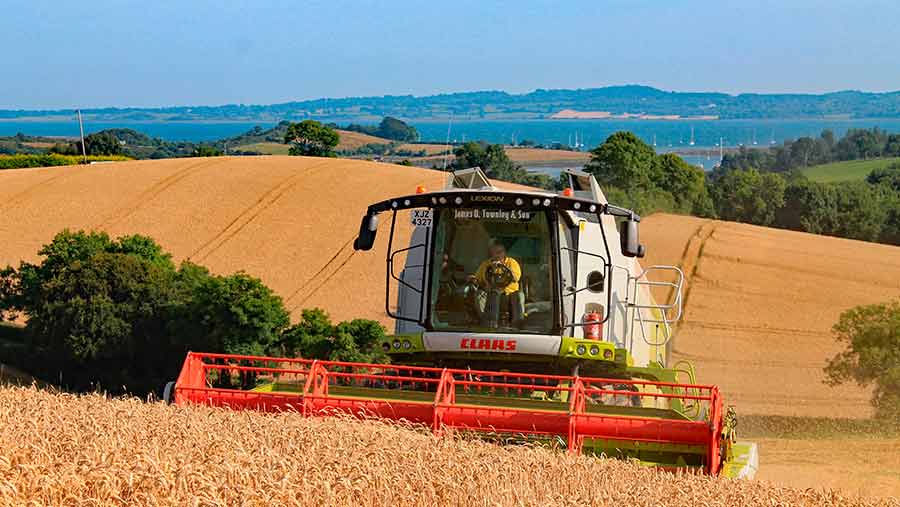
(520, 314)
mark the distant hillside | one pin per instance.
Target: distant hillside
(617, 100)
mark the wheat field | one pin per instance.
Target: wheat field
(64, 450)
(759, 304)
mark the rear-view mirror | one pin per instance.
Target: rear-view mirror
(367, 230)
(631, 243)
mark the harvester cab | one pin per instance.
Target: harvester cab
(520, 315)
(531, 280)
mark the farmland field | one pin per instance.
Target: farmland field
(531, 155)
(847, 171)
(348, 140)
(66, 450)
(266, 148)
(759, 305)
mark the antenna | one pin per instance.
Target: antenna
(446, 152)
(81, 126)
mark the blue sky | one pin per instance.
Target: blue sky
(154, 53)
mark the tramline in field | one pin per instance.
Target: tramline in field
(523, 314)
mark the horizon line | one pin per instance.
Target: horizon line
(444, 94)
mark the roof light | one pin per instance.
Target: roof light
(546, 202)
(593, 208)
(406, 202)
(568, 192)
(420, 189)
(443, 200)
(536, 201)
(434, 200)
(394, 204)
(577, 205)
(519, 201)
(595, 350)
(406, 344)
(580, 350)
(607, 354)
(458, 200)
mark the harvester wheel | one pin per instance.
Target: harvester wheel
(168, 395)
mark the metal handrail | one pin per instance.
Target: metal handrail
(665, 320)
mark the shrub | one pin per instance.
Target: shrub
(315, 337)
(23, 161)
(872, 356)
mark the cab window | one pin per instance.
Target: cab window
(491, 271)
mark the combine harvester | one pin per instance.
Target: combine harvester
(520, 314)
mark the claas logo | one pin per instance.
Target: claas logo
(488, 344)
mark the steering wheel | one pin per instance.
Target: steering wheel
(498, 275)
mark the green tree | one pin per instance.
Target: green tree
(749, 196)
(118, 312)
(624, 161)
(808, 206)
(890, 232)
(397, 130)
(803, 151)
(96, 310)
(860, 143)
(892, 146)
(861, 211)
(889, 176)
(236, 314)
(205, 150)
(311, 138)
(496, 164)
(315, 337)
(871, 335)
(686, 183)
(103, 143)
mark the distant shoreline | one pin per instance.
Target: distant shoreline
(572, 114)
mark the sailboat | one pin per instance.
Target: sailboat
(754, 137)
(692, 137)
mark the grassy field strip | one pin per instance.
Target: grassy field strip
(850, 170)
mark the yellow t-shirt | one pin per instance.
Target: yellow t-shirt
(513, 267)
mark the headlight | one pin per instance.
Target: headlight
(580, 350)
(595, 350)
(407, 345)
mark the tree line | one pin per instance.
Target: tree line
(118, 314)
(389, 128)
(632, 174)
(857, 144)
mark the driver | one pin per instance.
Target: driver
(498, 277)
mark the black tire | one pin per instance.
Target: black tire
(168, 394)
